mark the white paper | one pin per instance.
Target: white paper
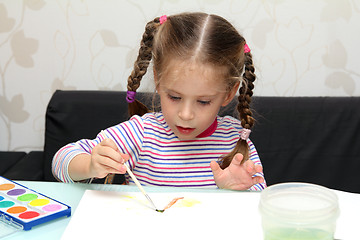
(347, 225)
(105, 215)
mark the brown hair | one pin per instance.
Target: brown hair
(206, 39)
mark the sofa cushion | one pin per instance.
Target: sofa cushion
(306, 139)
(309, 139)
(29, 167)
(74, 115)
(8, 160)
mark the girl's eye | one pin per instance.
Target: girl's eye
(203, 102)
(174, 98)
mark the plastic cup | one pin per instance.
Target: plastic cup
(298, 211)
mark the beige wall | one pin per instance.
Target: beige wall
(300, 47)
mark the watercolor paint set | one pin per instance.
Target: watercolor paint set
(24, 208)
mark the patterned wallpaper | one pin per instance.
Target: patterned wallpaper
(300, 48)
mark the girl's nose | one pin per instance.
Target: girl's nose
(186, 112)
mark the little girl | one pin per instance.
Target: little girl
(199, 62)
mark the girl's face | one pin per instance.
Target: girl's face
(191, 96)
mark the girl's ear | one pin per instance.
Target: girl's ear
(231, 94)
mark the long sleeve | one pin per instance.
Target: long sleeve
(255, 158)
(65, 154)
(127, 136)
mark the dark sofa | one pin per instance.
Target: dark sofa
(308, 139)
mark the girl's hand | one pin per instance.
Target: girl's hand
(106, 158)
(237, 176)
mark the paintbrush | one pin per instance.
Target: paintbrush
(138, 184)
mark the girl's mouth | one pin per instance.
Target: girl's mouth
(184, 130)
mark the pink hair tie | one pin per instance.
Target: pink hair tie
(163, 19)
(130, 96)
(245, 133)
(246, 48)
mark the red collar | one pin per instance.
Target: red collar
(208, 132)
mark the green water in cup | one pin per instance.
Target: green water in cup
(298, 211)
(297, 234)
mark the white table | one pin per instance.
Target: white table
(70, 194)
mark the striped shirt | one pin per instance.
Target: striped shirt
(158, 157)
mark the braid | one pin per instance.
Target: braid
(245, 93)
(243, 107)
(141, 65)
(140, 68)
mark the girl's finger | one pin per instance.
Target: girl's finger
(237, 159)
(257, 180)
(215, 168)
(125, 157)
(109, 152)
(107, 162)
(258, 168)
(109, 143)
(250, 167)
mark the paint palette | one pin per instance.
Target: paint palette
(25, 208)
